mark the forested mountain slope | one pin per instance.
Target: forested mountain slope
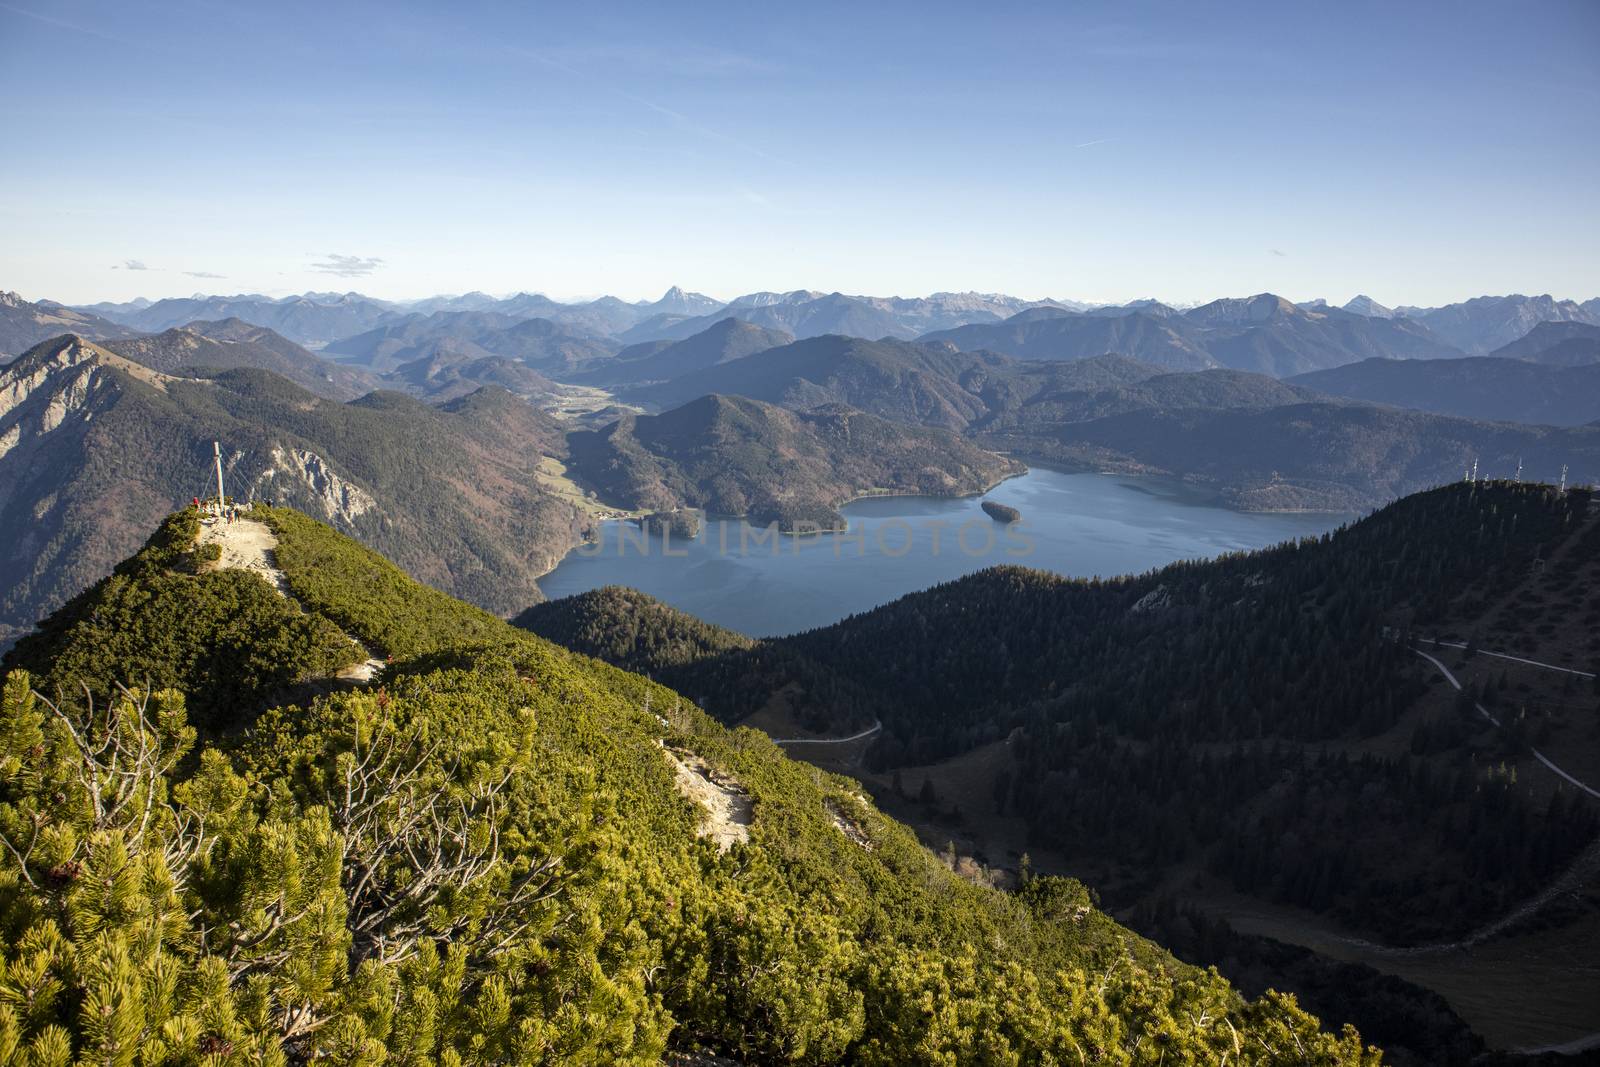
(1249, 732)
(97, 448)
(498, 851)
(736, 456)
(232, 344)
(1505, 390)
(1329, 455)
(1207, 683)
(895, 379)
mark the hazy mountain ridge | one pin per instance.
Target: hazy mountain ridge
(1475, 326)
(540, 343)
(313, 319)
(1264, 333)
(1481, 387)
(1137, 335)
(24, 324)
(451, 369)
(1565, 344)
(1485, 323)
(652, 361)
(808, 314)
(1329, 456)
(233, 343)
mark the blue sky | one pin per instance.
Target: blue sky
(1422, 153)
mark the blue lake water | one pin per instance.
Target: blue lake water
(1079, 525)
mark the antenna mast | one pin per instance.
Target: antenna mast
(216, 451)
(1563, 478)
(1519, 470)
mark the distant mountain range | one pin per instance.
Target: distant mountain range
(808, 314)
(1264, 333)
(1061, 335)
(313, 319)
(318, 319)
(24, 324)
(1485, 323)
(540, 343)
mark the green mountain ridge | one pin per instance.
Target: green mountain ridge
(497, 853)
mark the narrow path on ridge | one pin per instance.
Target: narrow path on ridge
(248, 544)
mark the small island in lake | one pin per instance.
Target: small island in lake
(1001, 512)
(684, 523)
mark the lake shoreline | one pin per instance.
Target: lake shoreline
(629, 515)
(1075, 524)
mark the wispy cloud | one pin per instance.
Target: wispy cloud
(203, 274)
(685, 60)
(133, 264)
(1280, 255)
(676, 118)
(347, 266)
(59, 23)
(1091, 144)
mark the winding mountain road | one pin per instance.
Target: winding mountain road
(1513, 659)
(1540, 756)
(868, 732)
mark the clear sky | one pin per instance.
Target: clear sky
(1419, 152)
